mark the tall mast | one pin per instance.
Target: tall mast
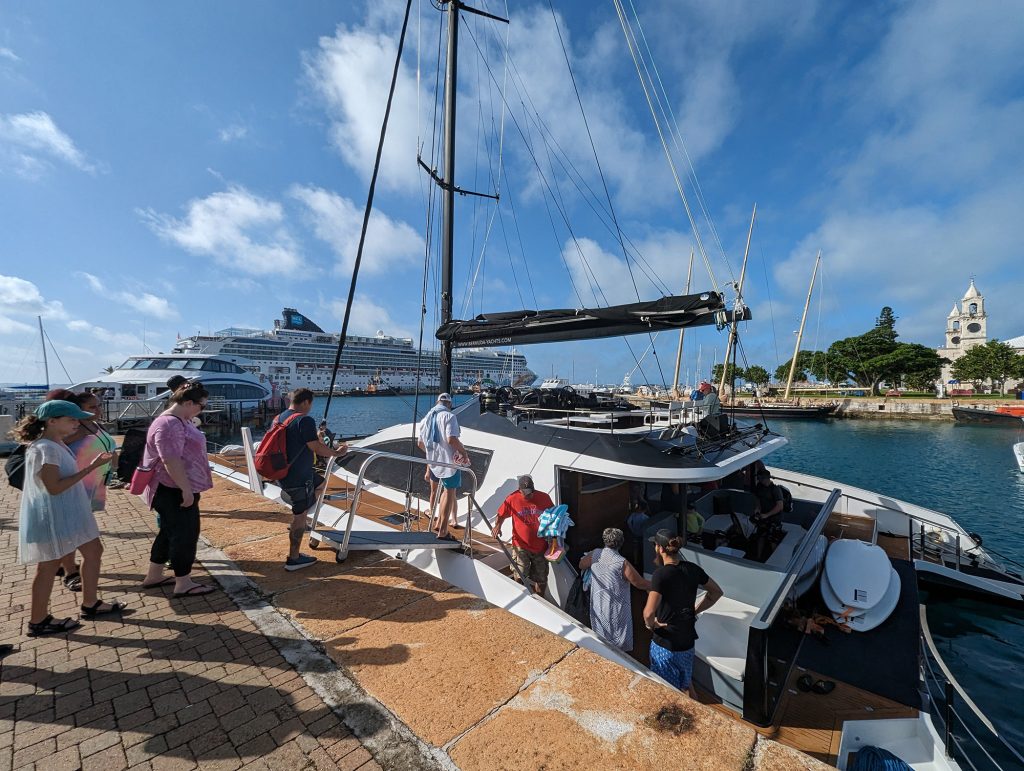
(448, 189)
(42, 339)
(682, 332)
(739, 297)
(803, 320)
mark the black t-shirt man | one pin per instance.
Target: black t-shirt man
(677, 584)
(769, 496)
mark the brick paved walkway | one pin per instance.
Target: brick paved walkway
(173, 684)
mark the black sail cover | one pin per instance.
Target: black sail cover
(525, 326)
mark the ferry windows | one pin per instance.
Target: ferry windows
(177, 364)
(194, 364)
(142, 364)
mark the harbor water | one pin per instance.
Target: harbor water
(966, 471)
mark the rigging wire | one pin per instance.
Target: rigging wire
(54, 349)
(604, 182)
(677, 139)
(368, 210)
(631, 43)
(771, 307)
(546, 184)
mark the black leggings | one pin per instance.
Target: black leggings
(179, 530)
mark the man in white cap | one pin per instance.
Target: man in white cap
(438, 434)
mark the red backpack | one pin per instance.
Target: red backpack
(271, 459)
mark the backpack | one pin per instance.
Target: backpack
(15, 467)
(787, 498)
(271, 459)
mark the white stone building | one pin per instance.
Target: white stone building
(966, 327)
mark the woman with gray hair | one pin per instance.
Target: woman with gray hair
(611, 575)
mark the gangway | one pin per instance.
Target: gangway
(346, 539)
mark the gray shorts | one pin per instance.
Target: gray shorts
(532, 565)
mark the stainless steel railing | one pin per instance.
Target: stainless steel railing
(968, 747)
(360, 485)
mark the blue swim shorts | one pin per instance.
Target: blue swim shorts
(674, 666)
(454, 482)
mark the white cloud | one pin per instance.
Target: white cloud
(102, 334)
(7, 53)
(10, 326)
(30, 140)
(351, 74)
(604, 278)
(337, 221)
(144, 302)
(367, 318)
(238, 229)
(233, 133)
(18, 296)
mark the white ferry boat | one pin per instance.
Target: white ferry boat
(297, 353)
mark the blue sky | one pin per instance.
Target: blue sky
(168, 168)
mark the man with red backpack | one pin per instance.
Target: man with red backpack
(302, 485)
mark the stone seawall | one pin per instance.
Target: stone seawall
(899, 407)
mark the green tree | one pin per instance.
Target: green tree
(733, 373)
(757, 375)
(913, 365)
(994, 361)
(804, 362)
(972, 367)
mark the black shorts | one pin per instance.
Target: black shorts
(302, 497)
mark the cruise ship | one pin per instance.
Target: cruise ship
(297, 353)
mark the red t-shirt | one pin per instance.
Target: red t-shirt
(525, 519)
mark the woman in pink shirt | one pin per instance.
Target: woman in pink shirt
(177, 451)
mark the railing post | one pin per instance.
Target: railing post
(949, 720)
(958, 552)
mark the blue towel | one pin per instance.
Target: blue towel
(430, 433)
(554, 522)
(877, 759)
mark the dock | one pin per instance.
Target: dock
(366, 664)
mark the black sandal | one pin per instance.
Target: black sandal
(92, 612)
(73, 581)
(49, 626)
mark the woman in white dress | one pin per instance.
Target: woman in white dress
(611, 575)
(55, 515)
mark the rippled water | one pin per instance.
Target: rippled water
(968, 472)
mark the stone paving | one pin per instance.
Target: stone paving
(170, 685)
(418, 673)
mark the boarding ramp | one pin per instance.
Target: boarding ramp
(344, 538)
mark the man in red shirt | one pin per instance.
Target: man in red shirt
(524, 506)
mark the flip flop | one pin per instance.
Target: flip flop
(162, 582)
(823, 687)
(196, 591)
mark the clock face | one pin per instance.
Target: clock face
(955, 340)
(974, 327)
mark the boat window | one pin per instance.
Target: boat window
(126, 365)
(194, 364)
(142, 364)
(176, 364)
(235, 391)
(159, 364)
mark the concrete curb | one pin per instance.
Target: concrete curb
(391, 742)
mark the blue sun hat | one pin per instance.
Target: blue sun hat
(58, 408)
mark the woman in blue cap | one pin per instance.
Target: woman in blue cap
(55, 516)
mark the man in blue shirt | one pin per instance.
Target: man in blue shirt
(302, 485)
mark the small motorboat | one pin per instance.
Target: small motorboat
(1018, 453)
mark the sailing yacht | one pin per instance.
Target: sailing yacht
(838, 553)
